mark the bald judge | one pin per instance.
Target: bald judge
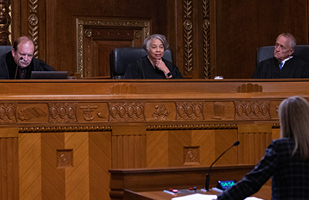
(19, 63)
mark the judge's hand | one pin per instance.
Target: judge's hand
(161, 66)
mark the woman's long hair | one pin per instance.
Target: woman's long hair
(294, 123)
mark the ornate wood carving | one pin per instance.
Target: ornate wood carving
(249, 87)
(123, 89)
(5, 22)
(64, 158)
(188, 36)
(8, 112)
(253, 110)
(189, 110)
(143, 31)
(127, 111)
(62, 112)
(30, 113)
(191, 155)
(33, 21)
(206, 39)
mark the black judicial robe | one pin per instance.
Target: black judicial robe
(8, 67)
(143, 69)
(293, 68)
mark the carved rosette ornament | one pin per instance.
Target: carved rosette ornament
(34, 24)
(188, 37)
(189, 110)
(5, 22)
(206, 39)
(7, 112)
(62, 112)
(252, 110)
(127, 112)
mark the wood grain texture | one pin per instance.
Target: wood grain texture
(53, 178)
(77, 176)
(30, 166)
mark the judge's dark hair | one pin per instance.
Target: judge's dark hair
(155, 36)
(22, 39)
(294, 123)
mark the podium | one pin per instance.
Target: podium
(149, 183)
(263, 193)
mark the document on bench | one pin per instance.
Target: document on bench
(206, 197)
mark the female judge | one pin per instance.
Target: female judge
(153, 65)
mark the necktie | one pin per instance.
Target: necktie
(281, 65)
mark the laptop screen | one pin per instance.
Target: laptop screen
(49, 75)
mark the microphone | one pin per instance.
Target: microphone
(17, 66)
(208, 176)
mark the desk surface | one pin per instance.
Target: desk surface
(264, 193)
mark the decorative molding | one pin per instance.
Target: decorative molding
(5, 22)
(88, 112)
(252, 110)
(81, 23)
(188, 36)
(206, 39)
(33, 21)
(65, 158)
(8, 112)
(189, 110)
(127, 111)
(160, 112)
(123, 88)
(62, 112)
(191, 155)
(191, 127)
(249, 87)
(30, 112)
(48, 129)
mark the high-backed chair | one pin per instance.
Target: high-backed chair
(4, 49)
(121, 57)
(263, 53)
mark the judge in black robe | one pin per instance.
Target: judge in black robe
(293, 68)
(153, 66)
(143, 69)
(8, 67)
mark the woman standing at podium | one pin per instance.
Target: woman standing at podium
(286, 160)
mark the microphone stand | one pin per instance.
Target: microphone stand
(17, 66)
(208, 176)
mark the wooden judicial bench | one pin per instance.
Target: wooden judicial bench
(62, 139)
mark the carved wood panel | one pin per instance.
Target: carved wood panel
(97, 37)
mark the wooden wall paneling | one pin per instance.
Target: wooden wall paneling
(236, 41)
(271, 24)
(77, 175)
(223, 140)
(177, 141)
(9, 188)
(30, 166)
(53, 174)
(126, 140)
(157, 149)
(99, 164)
(255, 139)
(205, 141)
(9, 167)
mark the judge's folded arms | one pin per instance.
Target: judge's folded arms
(20, 62)
(283, 64)
(286, 160)
(153, 65)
